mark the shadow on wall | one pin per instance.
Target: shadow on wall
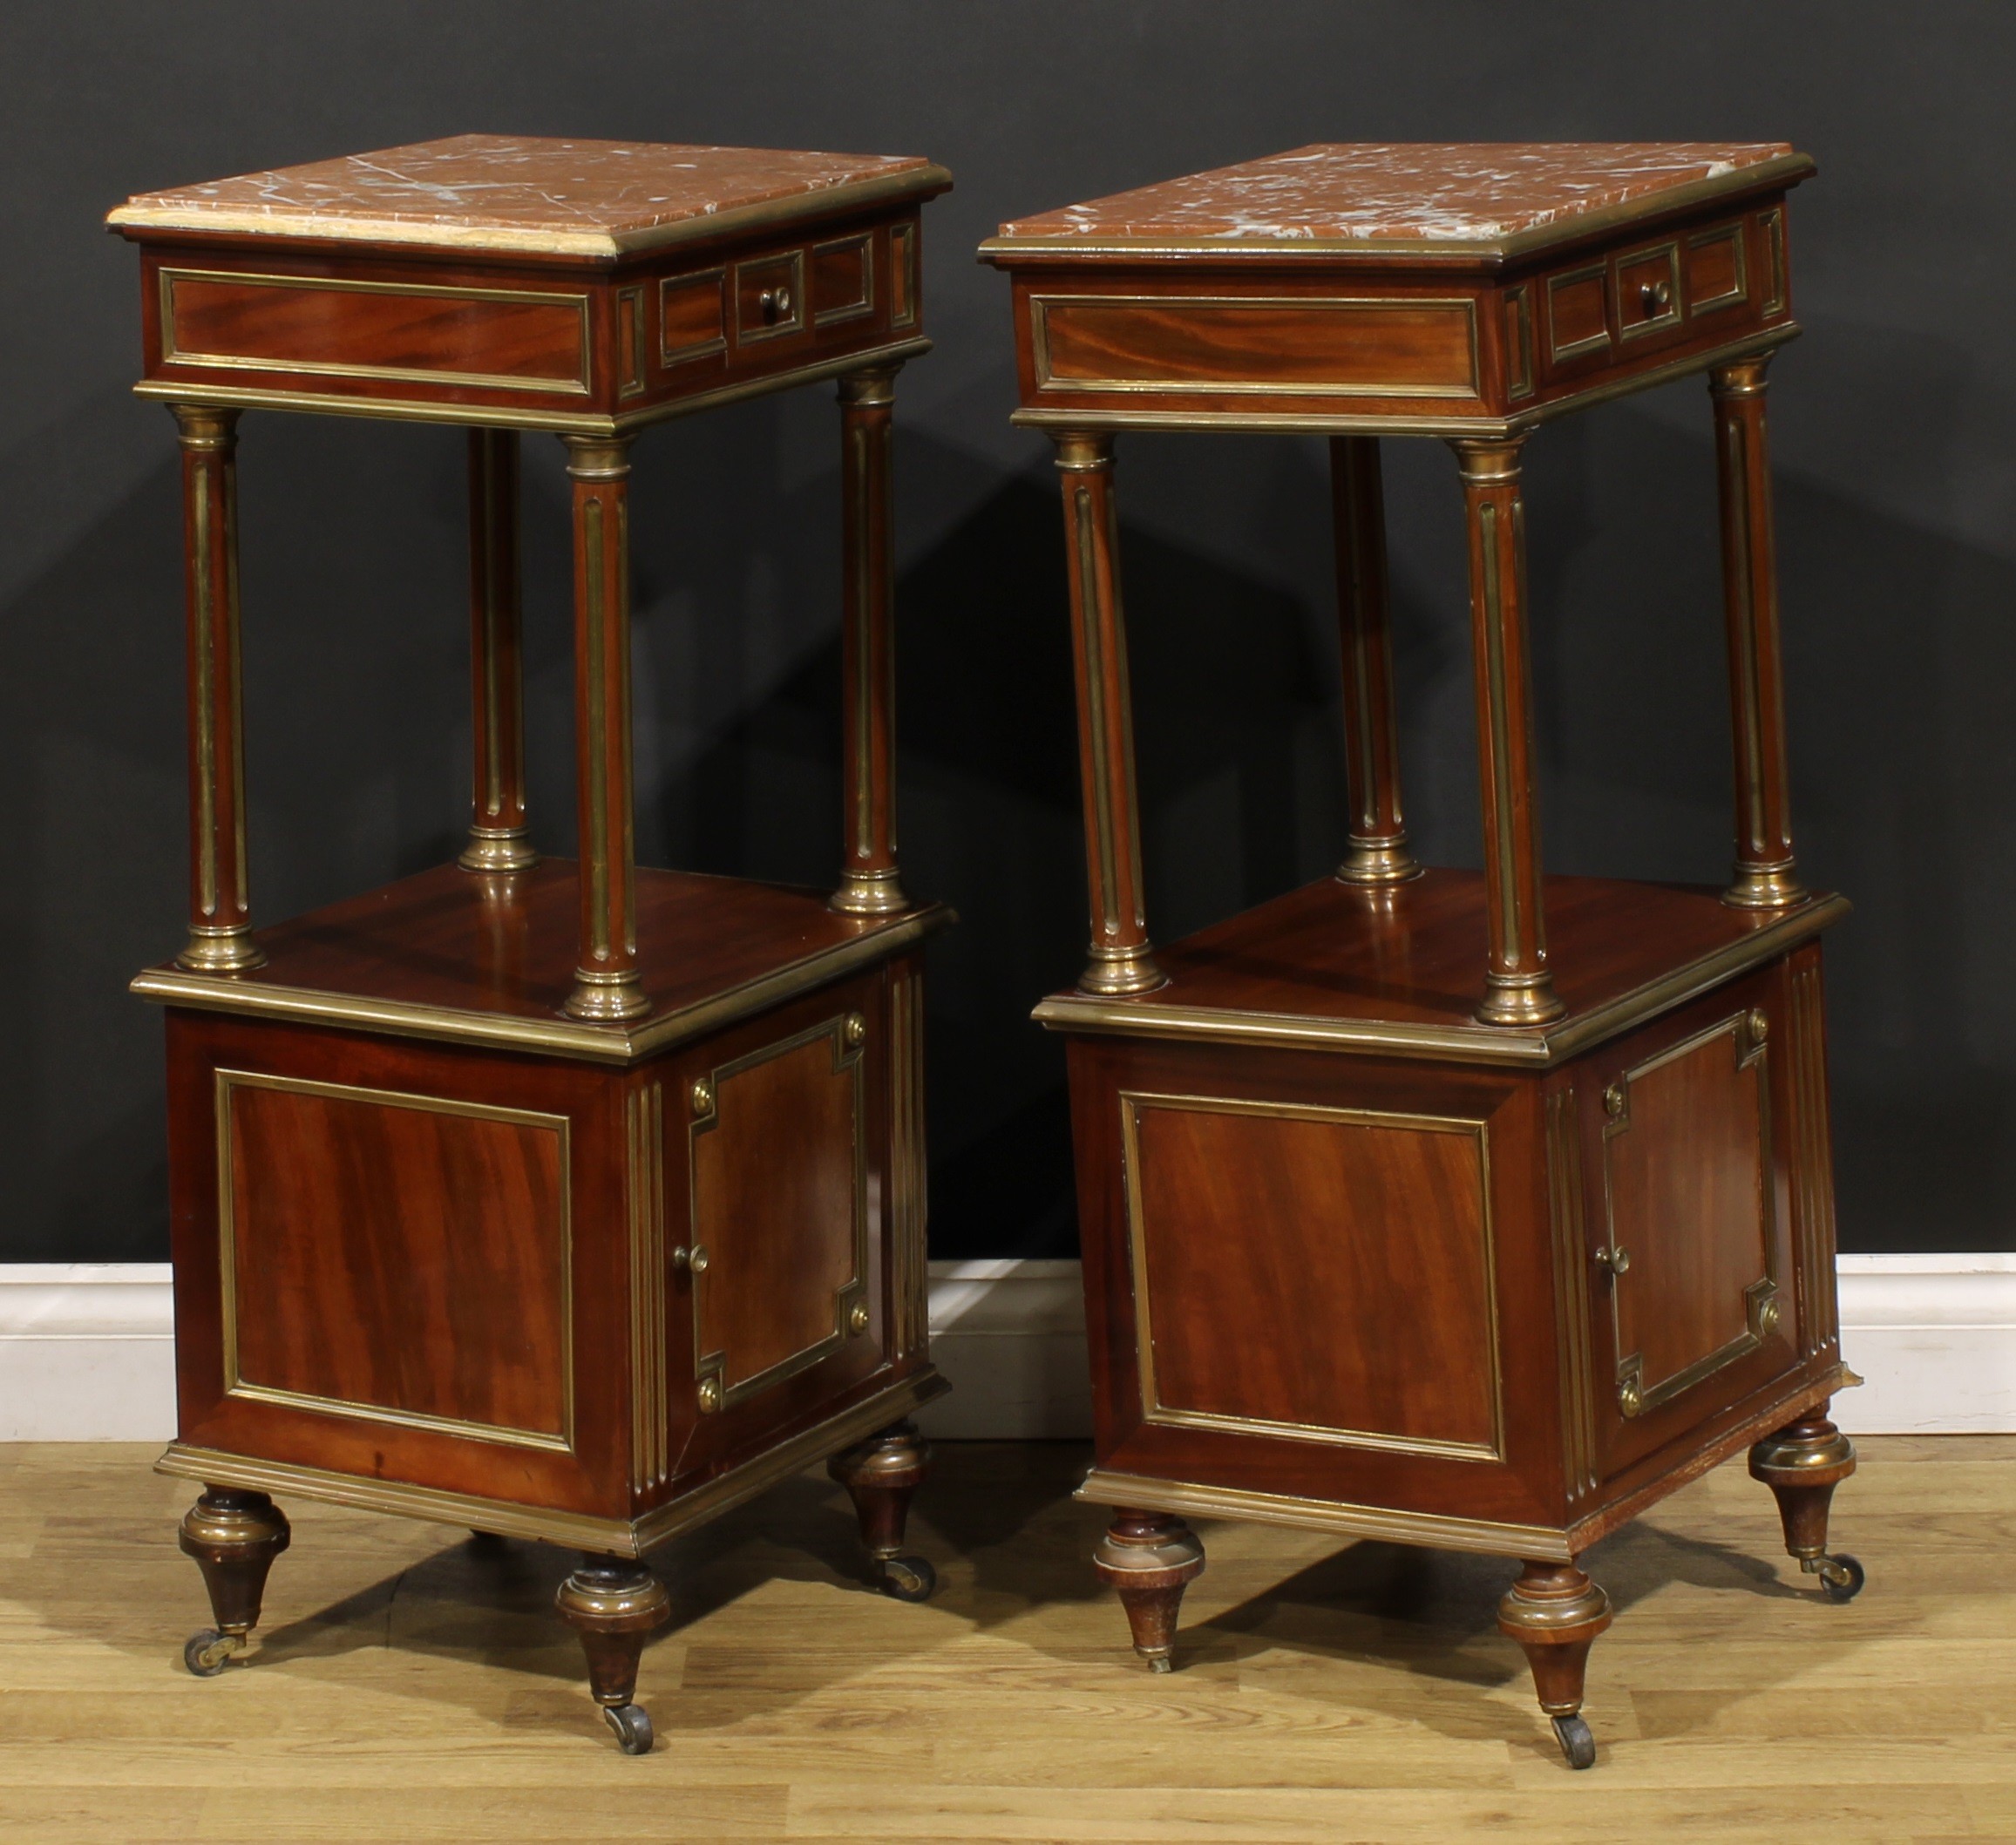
(1900, 658)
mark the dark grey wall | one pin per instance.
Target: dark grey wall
(1896, 497)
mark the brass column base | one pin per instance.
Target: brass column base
(1519, 998)
(868, 894)
(1150, 1558)
(607, 995)
(220, 949)
(1115, 973)
(497, 849)
(1385, 860)
(1765, 887)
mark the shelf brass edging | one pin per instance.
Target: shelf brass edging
(1779, 173)
(1341, 423)
(154, 223)
(495, 416)
(576, 1530)
(1541, 1543)
(558, 1035)
(1519, 1047)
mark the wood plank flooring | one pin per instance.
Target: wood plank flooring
(412, 1688)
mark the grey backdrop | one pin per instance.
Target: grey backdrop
(1896, 497)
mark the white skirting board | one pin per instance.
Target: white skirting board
(86, 1349)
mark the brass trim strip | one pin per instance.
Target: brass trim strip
(671, 356)
(909, 1172)
(1813, 1151)
(903, 287)
(650, 1433)
(224, 1082)
(630, 369)
(1778, 173)
(1513, 1045)
(578, 386)
(577, 1530)
(1348, 422)
(1733, 234)
(847, 1058)
(1571, 1295)
(1772, 223)
(558, 1035)
(150, 222)
(1589, 343)
(1542, 1542)
(1040, 306)
(1154, 1411)
(852, 310)
(1519, 340)
(493, 415)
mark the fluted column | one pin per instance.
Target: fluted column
(498, 837)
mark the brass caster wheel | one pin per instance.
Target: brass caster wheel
(208, 1651)
(1576, 1744)
(1161, 1662)
(1841, 1578)
(632, 1724)
(908, 1579)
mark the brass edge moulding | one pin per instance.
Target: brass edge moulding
(576, 1530)
(1778, 173)
(494, 416)
(1133, 1102)
(561, 1036)
(1348, 422)
(146, 223)
(1539, 1047)
(225, 1081)
(1542, 1542)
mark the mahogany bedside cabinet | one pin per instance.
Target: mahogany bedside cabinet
(572, 1202)
(1400, 1220)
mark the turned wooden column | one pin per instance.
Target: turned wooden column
(220, 904)
(1378, 851)
(1121, 959)
(613, 1603)
(499, 839)
(868, 880)
(1518, 989)
(880, 1474)
(1765, 865)
(234, 1536)
(1803, 1463)
(1150, 1558)
(1555, 1613)
(605, 980)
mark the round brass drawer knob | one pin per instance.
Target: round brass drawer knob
(1655, 298)
(775, 304)
(1618, 1261)
(694, 1260)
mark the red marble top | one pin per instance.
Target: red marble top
(502, 191)
(1462, 194)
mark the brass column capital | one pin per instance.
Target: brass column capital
(1082, 451)
(1488, 463)
(873, 388)
(205, 425)
(598, 458)
(1744, 379)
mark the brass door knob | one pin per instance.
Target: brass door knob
(1618, 1261)
(694, 1260)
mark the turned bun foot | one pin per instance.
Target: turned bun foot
(1803, 1463)
(1555, 1613)
(880, 1474)
(234, 1537)
(1150, 1558)
(612, 1603)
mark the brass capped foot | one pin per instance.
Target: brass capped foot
(1150, 1558)
(1555, 1613)
(1803, 1463)
(234, 1537)
(880, 1474)
(612, 1603)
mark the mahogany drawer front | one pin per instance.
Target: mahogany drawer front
(531, 340)
(1264, 345)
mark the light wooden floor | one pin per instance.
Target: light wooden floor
(409, 1689)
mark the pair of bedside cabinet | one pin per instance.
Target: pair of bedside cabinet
(580, 1201)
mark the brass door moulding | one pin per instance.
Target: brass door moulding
(650, 1417)
(1736, 237)
(863, 304)
(712, 1390)
(224, 1082)
(1747, 1033)
(1573, 1326)
(1133, 1102)
(1580, 347)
